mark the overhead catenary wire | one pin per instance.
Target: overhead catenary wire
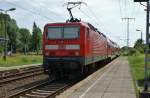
(94, 20)
(120, 8)
(131, 8)
(99, 21)
(32, 12)
(125, 7)
(90, 17)
(51, 11)
(36, 13)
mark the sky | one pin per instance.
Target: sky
(106, 15)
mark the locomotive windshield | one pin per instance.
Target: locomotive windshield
(67, 32)
(71, 32)
(54, 32)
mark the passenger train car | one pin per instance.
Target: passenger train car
(70, 47)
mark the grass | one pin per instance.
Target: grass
(137, 66)
(137, 70)
(20, 60)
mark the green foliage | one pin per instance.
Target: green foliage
(2, 31)
(36, 38)
(137, 66)
(1, 49)
(9, 26)
(20, 60)
(136, 50)
(133, 51)
(2, 24)
(137, 70)
(139, 45)
(129, 51)
(24, 39)
(13, 35)
(19, 39)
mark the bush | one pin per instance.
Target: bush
(1, 50)
(130, 52)
(133, 51)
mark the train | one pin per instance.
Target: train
(74, 47)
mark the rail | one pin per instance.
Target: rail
(21, 74)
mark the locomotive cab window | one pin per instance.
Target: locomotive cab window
(71, 32)
(54, 32)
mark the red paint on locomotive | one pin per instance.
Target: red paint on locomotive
(89, 45)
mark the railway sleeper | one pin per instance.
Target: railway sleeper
(31, 95)
(46, 91)
(41, 92)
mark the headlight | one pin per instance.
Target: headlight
(47, 53)
(73, 47)
(77, 53)
(51, 47)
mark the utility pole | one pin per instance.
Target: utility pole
(147, 49)
(128, 25)
(145, 93)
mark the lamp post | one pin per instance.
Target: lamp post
(5, 35)
(141, 33)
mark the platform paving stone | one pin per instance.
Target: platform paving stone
(116, 82)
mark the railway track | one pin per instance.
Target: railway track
(47, 89)
(29, 92)
(18, 74)
(11, 80)
(5, 73)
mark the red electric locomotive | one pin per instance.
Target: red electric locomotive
(69, 47)
(73, 46)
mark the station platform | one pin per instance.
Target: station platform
(115, 82)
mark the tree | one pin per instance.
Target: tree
(2, 24)
(139, 45)
(10, 24)
(6, 23)
(24, 39)
(36, 38)
(12, 32)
